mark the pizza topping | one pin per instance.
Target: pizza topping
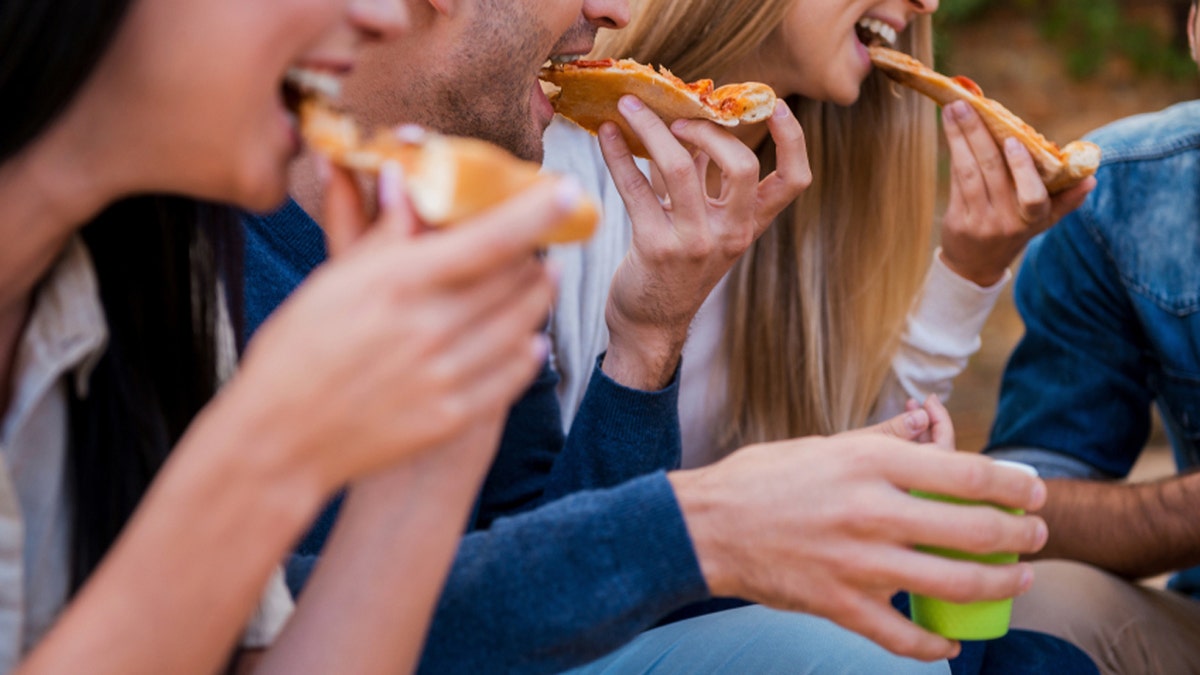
(968, 84)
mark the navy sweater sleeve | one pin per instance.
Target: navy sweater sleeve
(566, 583)
(619, 433)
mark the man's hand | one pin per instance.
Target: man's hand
(685, 242)
(827, 526)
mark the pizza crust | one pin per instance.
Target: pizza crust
(587, 93)
(1060, 168)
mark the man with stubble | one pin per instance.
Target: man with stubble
(580, 544)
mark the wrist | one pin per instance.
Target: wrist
(980, 275)
(706, 522)
(644, 359)
(245, 444)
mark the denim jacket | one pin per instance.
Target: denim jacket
(1111, 302)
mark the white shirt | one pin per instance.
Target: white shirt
(66, 336)
(940, 336)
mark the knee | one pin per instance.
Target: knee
(1066, 592)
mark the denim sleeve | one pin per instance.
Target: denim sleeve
(618, 434)
(1075, 384)
(564, 584)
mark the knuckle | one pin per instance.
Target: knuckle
(637, 187)
(974, 478)
(699, 249)
(736, 240)
(744, 168)
(677, 171)
(801, 180)
(453, 411)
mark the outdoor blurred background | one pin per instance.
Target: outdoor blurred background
(1066, 67)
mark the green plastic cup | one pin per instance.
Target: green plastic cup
(985, 620)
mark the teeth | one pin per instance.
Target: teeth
(879, 29)
(565, 58)
(311, 81)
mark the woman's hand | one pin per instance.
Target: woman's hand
(997, 199)
(402, 342)
(929, 423)
(685, 242)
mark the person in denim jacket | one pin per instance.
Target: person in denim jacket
(1111, 303)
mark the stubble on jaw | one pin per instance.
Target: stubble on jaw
(484, 87)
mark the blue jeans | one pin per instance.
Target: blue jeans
(755, 639)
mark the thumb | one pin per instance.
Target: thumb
(395, 208)
(343, 216)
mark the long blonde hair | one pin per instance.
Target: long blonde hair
(817, 306)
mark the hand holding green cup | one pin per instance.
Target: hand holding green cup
(984, 620)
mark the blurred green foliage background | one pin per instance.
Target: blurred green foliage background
(1089, 32)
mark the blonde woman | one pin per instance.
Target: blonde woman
(835, 316)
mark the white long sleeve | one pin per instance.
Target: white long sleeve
(940, 336)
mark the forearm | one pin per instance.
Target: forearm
(618, 434)
(644, 358)
(1134, 530)
(560, 586)
(368, 605)
(192, 563)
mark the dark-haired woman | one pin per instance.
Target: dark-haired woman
(140, 521)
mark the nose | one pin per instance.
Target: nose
(924, 6)
(607, 13)
(379, 19)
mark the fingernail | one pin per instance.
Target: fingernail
(916, 420)
(679, 125)
(541, 347)
(391, 177)
(1043, 535)
(324, 169)
(631, 104)
(1039, 492)
(554, 271)
(781, 110)
(1012, 146)
(568, 193)
(957, 110)
(609, 131)
(410, 133)
(1026, 578)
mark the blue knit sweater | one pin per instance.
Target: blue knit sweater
(577, 543)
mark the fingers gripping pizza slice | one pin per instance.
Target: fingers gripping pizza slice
(1060, 168)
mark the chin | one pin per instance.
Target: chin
(846, 95)
(261, 191)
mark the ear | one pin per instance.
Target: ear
(445, 7)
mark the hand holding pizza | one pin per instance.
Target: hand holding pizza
(687, 239)
(998, 200)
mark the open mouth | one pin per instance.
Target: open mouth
(300, 84)
(875, 32)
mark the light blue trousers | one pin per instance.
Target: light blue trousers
(755, 640)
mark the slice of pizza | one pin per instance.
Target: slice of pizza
(449, 178)
(1060, 168)
(587, 92)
